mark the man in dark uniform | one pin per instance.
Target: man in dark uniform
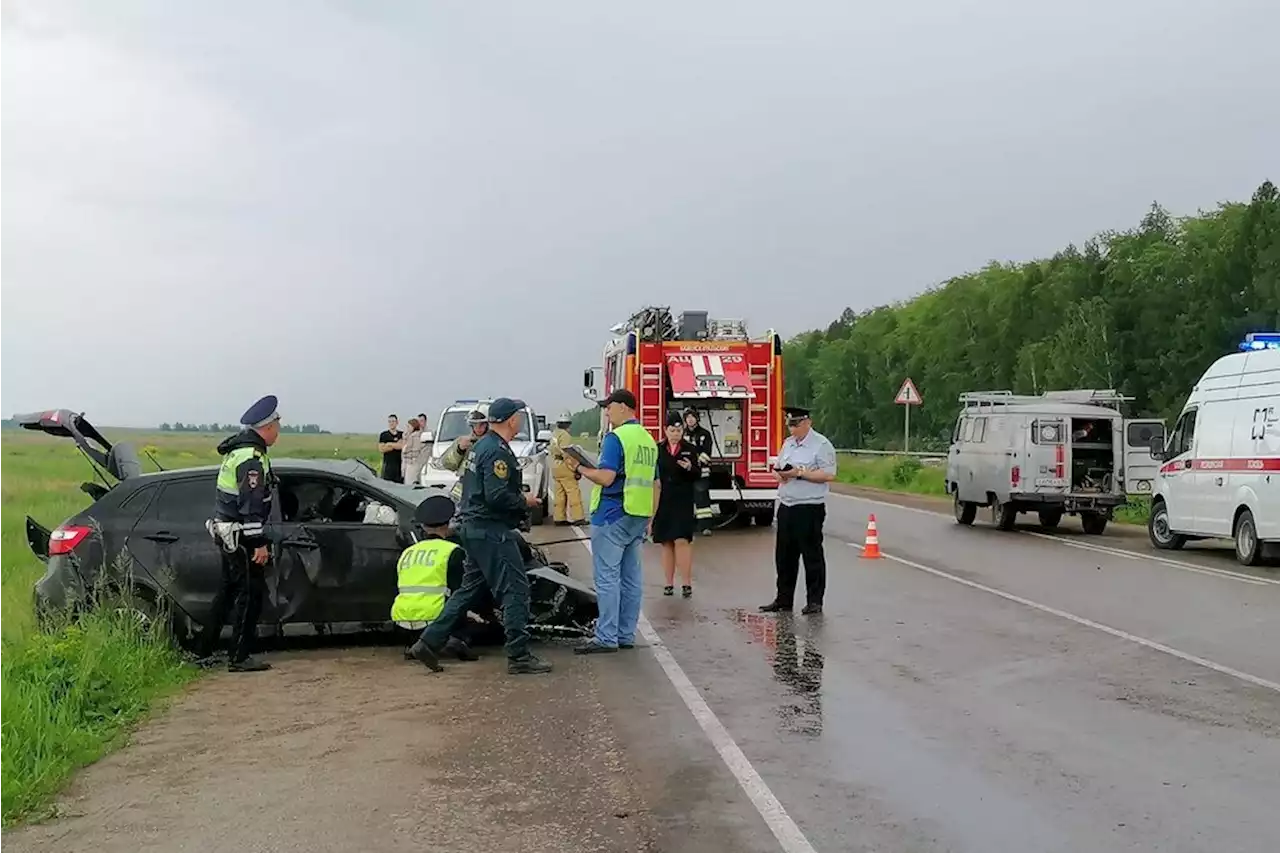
(241, 508)
(805, 467)
(494, 504)
(700, 437)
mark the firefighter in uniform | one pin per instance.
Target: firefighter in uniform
(700, 437)
(456, 454)
(428, 571)
(494, 504)
(805, 466)
(241, 509)
(567, 508)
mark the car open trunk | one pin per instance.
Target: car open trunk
(1093, 456)
(119, 460)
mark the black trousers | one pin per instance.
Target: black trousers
(241, 591)
(800, 535)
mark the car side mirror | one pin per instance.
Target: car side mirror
(428, 436)
(1157, 449)
(544, 435)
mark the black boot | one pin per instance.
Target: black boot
(527, 665)
(775, 607)
(426, 656)
(248, 664)
(460, 650)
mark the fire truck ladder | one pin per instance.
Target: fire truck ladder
(758, 420)
(651, 395)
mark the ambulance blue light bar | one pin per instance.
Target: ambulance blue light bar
(1260, 341)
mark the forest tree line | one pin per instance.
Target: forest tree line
(1143, 311)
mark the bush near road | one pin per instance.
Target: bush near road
(906, 474)
(70, 692)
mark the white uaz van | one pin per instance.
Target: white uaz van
(1220, 471)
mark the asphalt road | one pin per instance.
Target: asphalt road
(973, 691)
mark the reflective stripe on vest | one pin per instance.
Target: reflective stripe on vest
(639, 468)
(423, 580)
(227, 473)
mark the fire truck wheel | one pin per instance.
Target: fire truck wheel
(764, 518)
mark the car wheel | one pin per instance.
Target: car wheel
(1093, 523)
(1050, 518)
(1248, 549)
(1159, 531)
(1006, 515)
(966, 511)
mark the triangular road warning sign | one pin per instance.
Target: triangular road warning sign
(908, 395)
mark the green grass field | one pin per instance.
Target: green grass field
(69, 693)
(906, 474)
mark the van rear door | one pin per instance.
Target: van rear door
(1048, 457)
(1140, 468)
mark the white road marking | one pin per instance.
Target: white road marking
(770, 809)
(1089, 623)
(1225, 574)
(1177, 564)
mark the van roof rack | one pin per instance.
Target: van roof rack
(1106, 398)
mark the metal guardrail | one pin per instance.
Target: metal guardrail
(918, 454)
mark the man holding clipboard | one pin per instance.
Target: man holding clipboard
(623, 503)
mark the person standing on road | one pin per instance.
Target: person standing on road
(805, 466)
(426, 573)
(623, 503)
(494, 504)
(673, 523)
(702, 441)
(242, 506)
(391, 445)
(411, 457)
(456, 453)
(567, 507)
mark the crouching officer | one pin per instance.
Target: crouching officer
(427, 571)
(241, 508)
(494, 504)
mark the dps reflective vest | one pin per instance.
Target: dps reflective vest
(639, 468)
(423, 577)
(227, 482)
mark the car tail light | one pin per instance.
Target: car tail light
(1060, 461)
(67, 538)
(1015, 475)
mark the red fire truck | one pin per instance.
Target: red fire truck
(733, 382)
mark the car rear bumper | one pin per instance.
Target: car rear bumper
(749, 495)
(1068, 502)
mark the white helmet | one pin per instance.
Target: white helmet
(566, 418)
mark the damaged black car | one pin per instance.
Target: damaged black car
(336, 533)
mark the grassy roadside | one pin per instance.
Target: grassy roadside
(70, 692)
(906, 474)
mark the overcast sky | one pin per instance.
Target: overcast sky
(374, 206)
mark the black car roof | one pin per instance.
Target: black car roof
(339, 467)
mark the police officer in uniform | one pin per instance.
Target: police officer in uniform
(805, 466)
(700, 437)
(494, 504)
(241, 509)
(428, 571)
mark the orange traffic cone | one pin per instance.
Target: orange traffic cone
(871, 550)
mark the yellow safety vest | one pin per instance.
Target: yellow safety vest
(639, 468)
(423, 576)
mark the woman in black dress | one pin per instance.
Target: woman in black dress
(674, 522)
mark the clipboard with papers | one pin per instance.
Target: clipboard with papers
(586, 460)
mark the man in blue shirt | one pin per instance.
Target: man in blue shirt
(623, 505)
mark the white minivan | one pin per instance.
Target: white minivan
(1220, 471)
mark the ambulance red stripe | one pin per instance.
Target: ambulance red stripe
(1241, 464)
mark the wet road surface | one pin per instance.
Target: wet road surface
(922, 712)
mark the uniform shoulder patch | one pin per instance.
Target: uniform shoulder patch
(251, 478)
(500, 469)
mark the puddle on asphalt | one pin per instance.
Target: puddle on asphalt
(797, 661)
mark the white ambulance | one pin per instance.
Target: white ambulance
(1220, 471)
